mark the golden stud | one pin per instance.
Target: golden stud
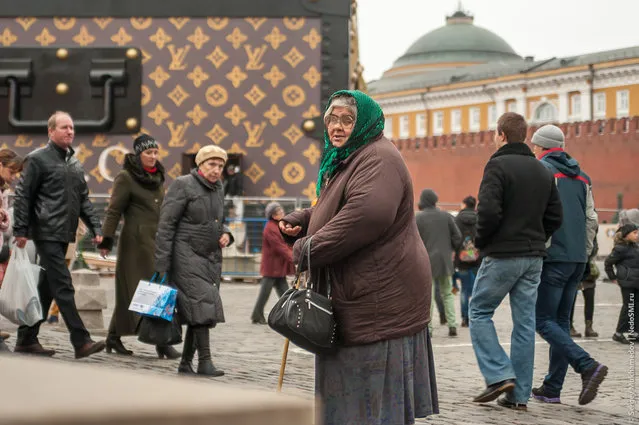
(62, 88)
(62, 53)
(131, 123)
(132, 53)
(308, 126)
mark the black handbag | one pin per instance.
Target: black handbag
(303, 315)
(159, 331)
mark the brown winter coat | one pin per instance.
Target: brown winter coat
(137, 196)
(381, 279)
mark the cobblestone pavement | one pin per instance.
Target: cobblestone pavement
(250, 355)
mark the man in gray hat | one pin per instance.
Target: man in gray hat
(563, 269)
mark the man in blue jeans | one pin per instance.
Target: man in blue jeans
(563, 269)
(519, 209)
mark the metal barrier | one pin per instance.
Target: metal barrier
(244, 215)
(246, 219)
(241, 261)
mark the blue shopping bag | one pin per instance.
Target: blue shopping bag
(153, 299)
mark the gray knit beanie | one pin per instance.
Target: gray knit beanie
(271, 208)
(630, 216)
(549, 137)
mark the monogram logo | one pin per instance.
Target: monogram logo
(177, 57)
(254, 134)
(255, 57)
(177, 133)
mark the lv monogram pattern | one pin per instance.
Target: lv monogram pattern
(243, 84)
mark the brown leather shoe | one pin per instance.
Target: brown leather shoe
(89, 348)
(35, 349)
(4, 335)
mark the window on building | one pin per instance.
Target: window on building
(404, 127)
(456, 121)
(475, 117)
(546, 112)
(492, 116)
(575, 106)
(512, 106)
(388, 127)
(421, 125)
(438, 123)
(623, 103)
(599, 105)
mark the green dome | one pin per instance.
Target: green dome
(458, 41)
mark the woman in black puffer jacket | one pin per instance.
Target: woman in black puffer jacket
(622, 265)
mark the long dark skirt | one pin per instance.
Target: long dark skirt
(386, 383)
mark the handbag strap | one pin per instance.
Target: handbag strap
(306, 250)
(155, 276)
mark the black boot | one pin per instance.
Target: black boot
(204, 363)
(186, 364)
(114, 342)
(167, 351)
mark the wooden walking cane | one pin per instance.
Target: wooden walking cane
(283, 366)
(280, 381)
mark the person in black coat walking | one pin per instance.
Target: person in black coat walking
(50, 198)
(622, 265)
(188, 246)
(467, 259)
(519, 209)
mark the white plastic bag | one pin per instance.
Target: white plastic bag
(19, 300)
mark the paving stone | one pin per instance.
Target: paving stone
(250, 355)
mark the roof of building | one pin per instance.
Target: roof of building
(457, 41)
(495, 69)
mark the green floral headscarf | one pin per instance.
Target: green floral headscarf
(370, 123)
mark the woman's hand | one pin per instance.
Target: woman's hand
(288, 229)
(224, 241)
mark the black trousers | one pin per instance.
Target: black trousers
(55, 284)
(281, 285)
(589, 304)
(628, 313)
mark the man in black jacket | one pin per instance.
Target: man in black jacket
(519, 209)
(51, 196)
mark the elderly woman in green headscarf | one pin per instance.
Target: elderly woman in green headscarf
(365, 237)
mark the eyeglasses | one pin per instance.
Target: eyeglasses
(346, 121)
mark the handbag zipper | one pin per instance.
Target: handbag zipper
(309, 302)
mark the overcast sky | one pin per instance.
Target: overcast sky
(539, 28)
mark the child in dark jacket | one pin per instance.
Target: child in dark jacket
(622, 265)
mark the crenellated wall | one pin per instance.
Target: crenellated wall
(607, 150)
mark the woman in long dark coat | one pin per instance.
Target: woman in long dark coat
(189, 245)
(137, 195)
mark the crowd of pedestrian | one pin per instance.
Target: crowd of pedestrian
(530, 235)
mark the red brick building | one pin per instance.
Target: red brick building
(452, 165)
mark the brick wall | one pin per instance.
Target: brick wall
(452, 165)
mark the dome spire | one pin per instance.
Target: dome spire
(460, 16)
